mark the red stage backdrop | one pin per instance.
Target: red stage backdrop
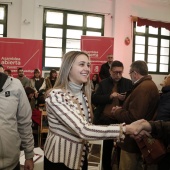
(97, 48)
(24, 53)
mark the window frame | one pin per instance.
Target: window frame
(148, 35)
(84, 29)
(4, 21)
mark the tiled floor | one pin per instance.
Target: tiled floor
(94, 155)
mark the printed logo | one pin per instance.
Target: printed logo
(7, 93)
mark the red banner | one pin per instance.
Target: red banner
(97, 48)
(24, 53)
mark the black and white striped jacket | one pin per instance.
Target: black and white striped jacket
(69, 131)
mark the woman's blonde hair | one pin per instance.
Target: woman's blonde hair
(63, 76)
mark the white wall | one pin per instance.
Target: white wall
(150, 9)
(31, 11)
(117, 20)
(14, 19)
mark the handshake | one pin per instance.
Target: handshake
(138, 129)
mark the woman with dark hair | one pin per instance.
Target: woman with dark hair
(50, 81)
(36, 113)
(37, 82)
(8, 72)
(94, 82)
(30, 94)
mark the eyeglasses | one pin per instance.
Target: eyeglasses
(131, 72)
(117, 72)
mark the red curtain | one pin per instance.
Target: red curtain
(156, 24)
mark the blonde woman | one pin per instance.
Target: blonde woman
(69, 115)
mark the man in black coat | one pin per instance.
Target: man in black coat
(104, 71)
(111, 92)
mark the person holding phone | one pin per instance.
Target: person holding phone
(110, 93)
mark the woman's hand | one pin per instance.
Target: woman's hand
(138, 127)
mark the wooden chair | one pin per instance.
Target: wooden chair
(95, 157)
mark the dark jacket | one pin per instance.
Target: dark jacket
(104, 71)
(164, 105)
(49, 84)
(102, 95)
(161, 130)
(163, 114)
(141, 103)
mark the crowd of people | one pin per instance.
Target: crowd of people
(122, 111)
(142, 100)
(36, 85)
